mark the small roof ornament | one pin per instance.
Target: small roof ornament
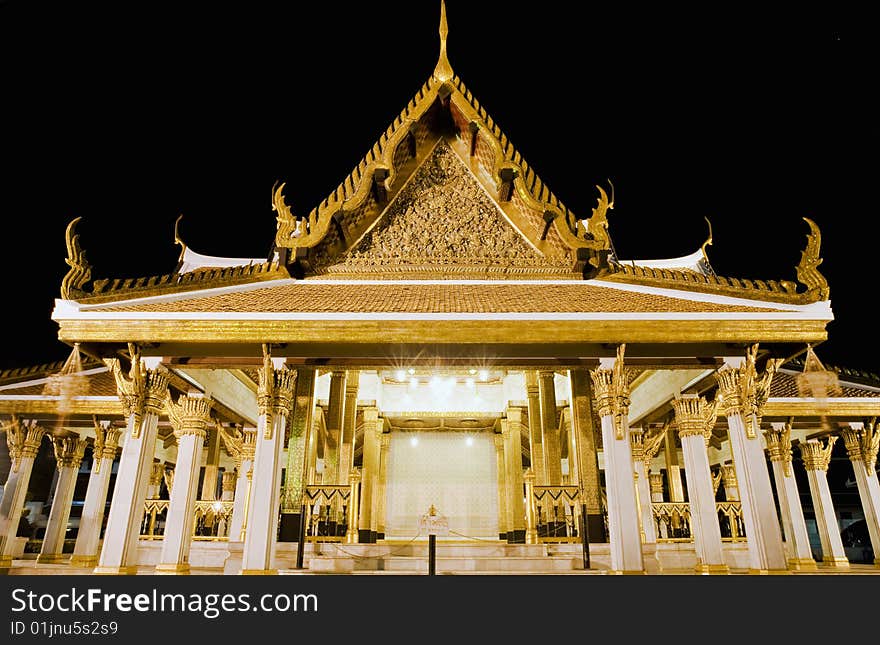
(443, 71)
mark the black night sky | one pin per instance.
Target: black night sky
(130, 114)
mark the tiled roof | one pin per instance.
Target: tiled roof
(414, 297)
(100, 384)
(784, 385)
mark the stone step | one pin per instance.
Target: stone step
(513, 564)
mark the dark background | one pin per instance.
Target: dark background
(129, 114)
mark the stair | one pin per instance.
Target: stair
(411, 558)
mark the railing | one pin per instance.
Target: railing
(556, 513)
(673, 521)
(211, 521)
(327, 506)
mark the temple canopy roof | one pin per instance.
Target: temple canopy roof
(444, 195)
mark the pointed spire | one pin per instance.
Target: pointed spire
(443, 71)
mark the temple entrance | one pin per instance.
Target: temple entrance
(454, 470)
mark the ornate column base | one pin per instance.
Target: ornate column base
(115, 571)
(531, 536)
(877, 562)
(51, 558)
(259, 572)
(5, 561)
(83, 560)
(712, 569)
(179, 569)
(802, 564)
(836, 562)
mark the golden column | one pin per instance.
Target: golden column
(24, 439)
(354, 480)
(349, 426)
(531, 527)
(611, 386)
(794, 527)
(586, 454)
(275, 400)
(191, 418)
(536, 447)
(385, 440)
(69, 451)
(333, 458)
(673, 469)
(743, 393)
(368, 524)
(554, 516)
(300, 425)
(695, 419)
(85, 551)
(861, 447)
(502, 486)
(816, 458)
(142, 393)
(227, 486)
(512, 432)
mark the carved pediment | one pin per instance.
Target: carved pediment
(443, 221)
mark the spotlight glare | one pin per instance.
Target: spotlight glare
(469, 441)
(414, 441)
(484, 375)
(413, 382)
(470, 382)
(400, 375)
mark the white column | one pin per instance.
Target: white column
(275, 398)
(190, 417)
(816, 459)
(861, 446)
(23, 439)
(695, 419)
(143, 397)
(512, 433)
(763, 534)
(794, 527)
(643, 485)
(611, 388)
(244, 467)
(85, 551)
(69, 451)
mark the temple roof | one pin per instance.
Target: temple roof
(443, 193)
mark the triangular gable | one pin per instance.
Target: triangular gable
(443, 221)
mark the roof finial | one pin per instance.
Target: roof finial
(443, 71)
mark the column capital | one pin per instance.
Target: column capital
(529, 476)
(611, 390)
(694, 416)
(656, 481)
(23, 438)
(143, 391)
(728, 475)
(354, 475)
(228, 481)
(157, 471)
(637, 443)
(499, 440)
(815, 455)
(531, 382)
(385, 438)
(743, 391)
(106, 442)
(863, 444)
(190, 415)
(779, 446)
(69, 451)
(275, 390)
